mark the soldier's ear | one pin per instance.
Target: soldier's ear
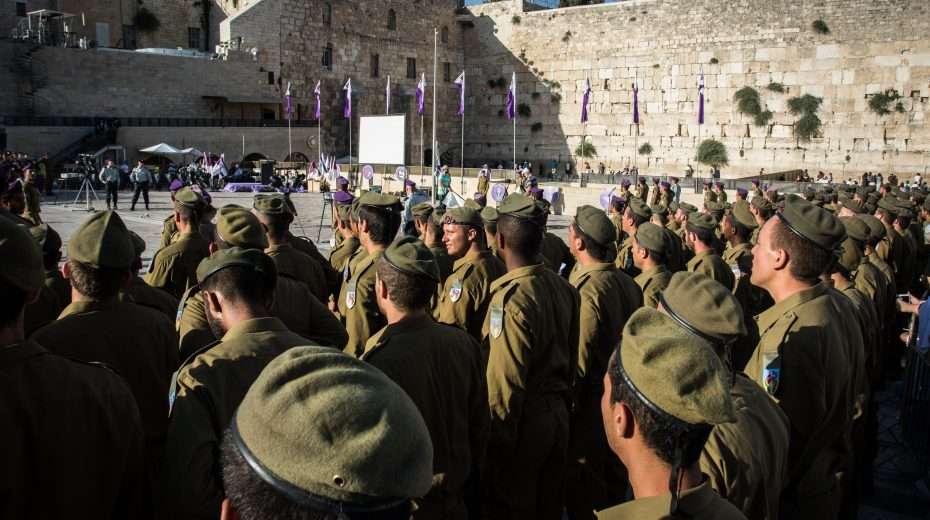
(213, 303)
(227, 511)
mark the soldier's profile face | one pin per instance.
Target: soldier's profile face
(455, 238)
(763, 256)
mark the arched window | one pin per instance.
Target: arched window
(328, 57)
(392, 20)
(444, 34)
(327, 13)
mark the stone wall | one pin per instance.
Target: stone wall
(36, 140)
(663, 45)
(270, 142)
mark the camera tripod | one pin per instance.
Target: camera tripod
(87, 188)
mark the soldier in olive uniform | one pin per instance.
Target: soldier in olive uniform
(891, 249)
(346, 241)
(289, 454)
(142, 293)
(615, 212)
(489, 217)
(761, 209)
(737, 227)
(441, 368)
(56, 291)
(238, 288)
(531, 337)
(378, 222)
(664, 392)
(271, 210)
(654, 192)
(801, 359)
(720, 193)
(699, 237)
(428, 222)
(756, 190)
(636, 214)
(625, 190)
(674, 251)
(306, 246)
(174, 268)
(649, 243)
(136, 341)
(33, 198)
(666, 197)
(553, 250)
(709, 195)
(746, 460)
(608, 298)
(909, 250)
(169, 230)
(72, 437)
(641, 190)
(300, 311)
(463, 300)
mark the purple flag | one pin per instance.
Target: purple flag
(460, 83)
(701, 100)
(316, 94)
(584, 101)
(421, 95)
(289, 109)
(635, 105)
(512, 98)
(387, 96)
(347, 109)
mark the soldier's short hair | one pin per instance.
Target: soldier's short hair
(407, 291)
(597, 251)
(524, 235)
(638, 220)
(382, 223)
(242, 284)
(188, 213)
(807, 261)
(96, 283)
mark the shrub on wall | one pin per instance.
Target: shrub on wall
(820, 27)
(712, 152)
(808, 125)
(586, 150)
(878, 103)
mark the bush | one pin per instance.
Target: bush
(714, 61)
(878, 103)
(586, 150)
(747, 101)
(555, 97)
(776, 87)
(567, 36)
(820, 27)
(807, 127)
(712, 152)
(515, 20)
(762, 118)
(146, 21)
(536, 127)
(645, 149)
(524, 110)
(806, 106)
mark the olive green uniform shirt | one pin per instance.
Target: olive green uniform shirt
(341, 253)
(174, 268)
(747, 461)
(72, 439)
(652, 282)
(307, 247)
(443, 261)
(362, 316)
(802, 362)
(295, 265)
(709, 196)
(209, 389)
(145, 295)
(709, 263)
(33, 208)
(890, 249)
(464, 298)
(721, 196)
(555, 252)
(169, 231)
(909, 252)
(624, 260)
(442, 370)
(348, 269)
(699, 503)
(675, 251)
(53, 297)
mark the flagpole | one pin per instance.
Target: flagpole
(435, 65)
(422, 154)
(463, 134)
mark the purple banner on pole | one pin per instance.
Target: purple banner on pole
(316, 94)
(584, 101)
(701, 100)
(387, 97)
(347, 108)
(512, 98)
(421, 95)
(635, 105)
(460, 83)
(288, 107)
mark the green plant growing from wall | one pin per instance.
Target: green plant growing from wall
(555, 97)
(714, 61)
(820, 27)
(645, 149)
(713, 153)
(536, 127)
(515, 20)
(567, 36)
(776, 87)
(748, 103)
(585, 149)
(524, 110)
(878, 103)
(808, 125)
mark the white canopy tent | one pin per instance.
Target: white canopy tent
(162, 149)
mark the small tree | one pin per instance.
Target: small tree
(586, 149)
(645, 149)
(808, 125)
(713, 153)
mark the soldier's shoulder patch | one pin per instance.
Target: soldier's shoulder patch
(496, 319)
(771, 372)
(734, 267)
(350, 294)
(455, 291)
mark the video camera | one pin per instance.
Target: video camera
(86, 164)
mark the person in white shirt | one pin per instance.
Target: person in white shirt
(141, 179)
(109, 176)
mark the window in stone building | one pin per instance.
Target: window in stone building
(235, 4)
(271, 77)
(447, 72)
(129, 36)
(193, 37)
(411, 68)
(327, 13)
(392, 20)
(328, 57)
(375, 65)
(21, 9)
(444, 34)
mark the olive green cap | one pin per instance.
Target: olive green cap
(102, 241)
(333, 431)
(48, 239)
(639, 208)
(255, 259)
(905, 212)
(704, 221)
(270, 203)
(379, 200)
(422, 210)
(473, 204)
(20, 257)
(816, 225)
(594, 223)
(343, 210)
(760, 202)
(704, 307)
(519, 206)
(138, 244)
(673, 371)
(877, 229)
(238, 227)
(489, 214)
(851, 255)
(743, 216)
(673, 207)
(464, 216)
(853, 205)
(651, 237)
(888, 205)
(188, 197)
(658, 209)
(410, 255)
(856, 228)
(686, 207)
(545, 207)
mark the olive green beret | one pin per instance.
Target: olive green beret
(658, 209)
(853, 205)
(760, 202)
(379, 200)
(489, 215)
(877, 229)
(704, 221)
(905, 212)
(409, 255)
(138, 244)
(102, 241)
(238, 227)
(344, 211)
(887, 204)
(716, 209)
(816, 225)
(594, 223)
(850, 256)
(473, 204)
(519, 206)
(703, 306)
(48, 239)
(651, 237)
(545, 207)
(422, 210)
(20, 257)
(639, 208)
(674, 371)
(687, 208)
(335, 431)
(464, 216)
(856, 228)
(270, 203)
(188, 197)
(255, 259)
(743, 216)
(673, 207)
(439, 212)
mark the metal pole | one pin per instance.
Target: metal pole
(515, 145)
(290, 148)
(435, 65)
(422, 153)
(350, 146)
(463, 142)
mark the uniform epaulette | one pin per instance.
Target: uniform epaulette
(173, 388)
(194, 289)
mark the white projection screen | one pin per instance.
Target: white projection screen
(381, 139)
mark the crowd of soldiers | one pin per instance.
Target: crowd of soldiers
(665, 362)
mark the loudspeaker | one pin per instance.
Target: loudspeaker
(267, 172)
